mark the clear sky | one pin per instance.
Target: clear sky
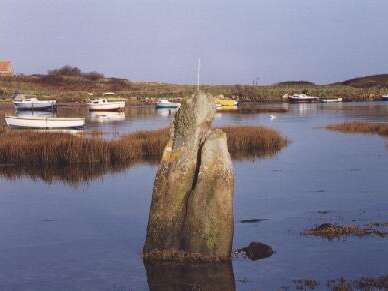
(237, 40)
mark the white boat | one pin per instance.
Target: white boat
(42, 122)
(34, 104)
(331, 100)
(385, 97)
(103, 104)
(302, 98)
(164, 103)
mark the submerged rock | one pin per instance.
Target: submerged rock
(253, 220)
(191, 215)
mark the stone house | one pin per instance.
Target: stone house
(6, 68)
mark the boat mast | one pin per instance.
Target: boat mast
(198, 71)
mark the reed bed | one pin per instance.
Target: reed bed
(330, 231)
(250, 141)
(361, 127)
(45, 149)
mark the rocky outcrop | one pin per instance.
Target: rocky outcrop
(191, 215)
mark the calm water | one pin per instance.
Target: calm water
(89, 236)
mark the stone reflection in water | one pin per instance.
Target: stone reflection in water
(178, 276)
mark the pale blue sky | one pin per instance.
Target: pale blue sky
(160, 40)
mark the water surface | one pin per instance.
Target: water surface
(59, 235)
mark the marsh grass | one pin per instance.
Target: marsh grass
(25, 148)
(331, 231)
(362, 284)
(249, 141)
(360, 127)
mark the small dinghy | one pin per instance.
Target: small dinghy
(103, 104)
(164, 103)
(43, 122)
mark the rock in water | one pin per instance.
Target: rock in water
(257, 250)
(191, 215)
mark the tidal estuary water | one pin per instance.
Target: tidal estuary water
(60, 235)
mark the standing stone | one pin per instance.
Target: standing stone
(191, 215)
(209, 220)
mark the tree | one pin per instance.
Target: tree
(66, 71)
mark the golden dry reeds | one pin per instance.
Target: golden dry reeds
(330, 231)
(252, 141)
(360, 127)
(36, 149)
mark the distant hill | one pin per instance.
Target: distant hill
(295, 83)
(375, 81)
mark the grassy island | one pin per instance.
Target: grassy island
(44, 149)
(360, 127)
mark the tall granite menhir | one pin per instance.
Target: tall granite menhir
(191, 215)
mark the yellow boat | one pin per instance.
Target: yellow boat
(226, 102)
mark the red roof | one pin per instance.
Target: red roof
(5, 67)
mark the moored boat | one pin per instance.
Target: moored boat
(43, 122)
(385, 97)
(103, 104)
(164, 103)
(331, 100)
(33, 103)
(226, 102)
(302, 98)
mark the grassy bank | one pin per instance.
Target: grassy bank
(77, 88)
(45, 149)
(361, 127)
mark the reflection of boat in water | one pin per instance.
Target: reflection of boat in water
(166, 112)
(302, 98)
(108, 116)
(226, 108)
(33, 103)
(28, 113)
(331, 100)
(103, 104)
(43, 122)
(164, 103)
(302, 109)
